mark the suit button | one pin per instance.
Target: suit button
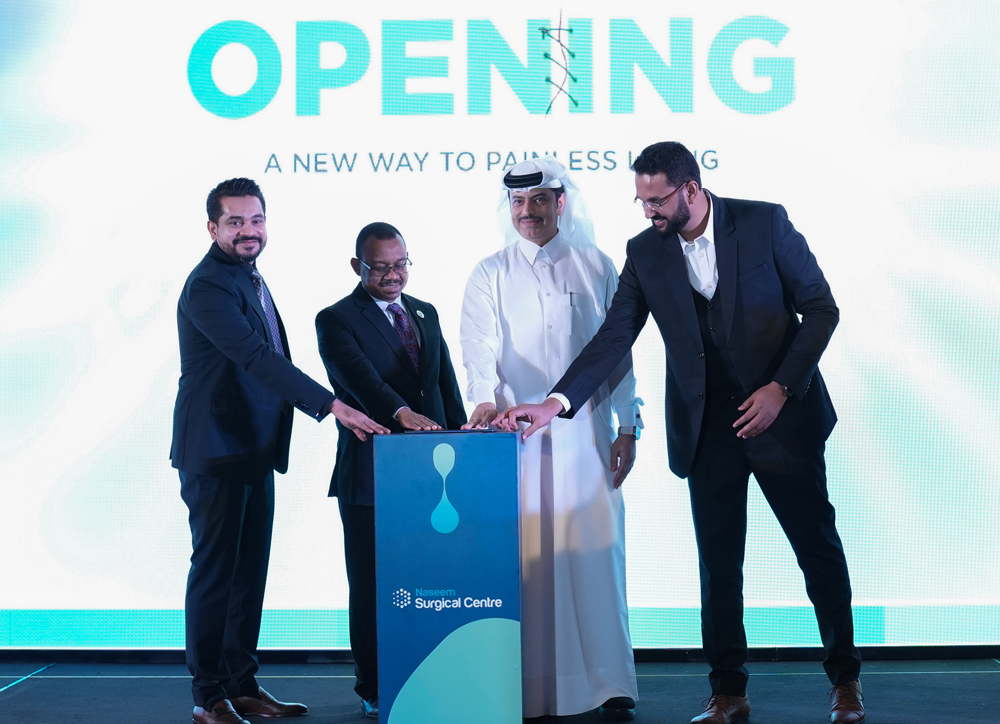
(422, 393)
(701, 355)
(701, 395)
(711, 306)
(711, 329)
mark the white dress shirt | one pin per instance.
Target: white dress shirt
(700, 255)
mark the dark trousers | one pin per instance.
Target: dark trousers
(231, 541)
(795, 488)
(359, 553)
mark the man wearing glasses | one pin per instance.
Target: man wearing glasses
(384, 354)
(727, 281)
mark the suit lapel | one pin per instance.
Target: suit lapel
(677, 281)
(251, 291)
(726, 245)
(371, 312)
(246, 284)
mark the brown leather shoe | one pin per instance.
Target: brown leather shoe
(267, 706)
(723, 709)
(846, 703)
(221, 712)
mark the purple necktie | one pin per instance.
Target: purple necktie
(272, 316)
(406, 334)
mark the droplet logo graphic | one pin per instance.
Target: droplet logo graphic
(444, 519)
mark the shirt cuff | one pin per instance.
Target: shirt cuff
(482, 392)
(563, 400)
(395, 415)
(629, 416)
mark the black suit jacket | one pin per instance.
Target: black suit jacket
(232, 416)
(767, 278)
(370, 370)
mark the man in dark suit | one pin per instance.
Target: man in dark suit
(726, 281)
(232, 425)
(384, 353)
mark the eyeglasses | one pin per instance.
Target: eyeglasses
(657, 205)
(380, 270)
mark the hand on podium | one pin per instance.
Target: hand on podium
(415, 421)
(537, 414)
(357, 422)
(482, 416)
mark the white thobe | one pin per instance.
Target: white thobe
(527, 314)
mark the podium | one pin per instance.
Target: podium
(447, 552)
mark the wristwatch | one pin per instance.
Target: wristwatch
(630, 430)
(786, 391)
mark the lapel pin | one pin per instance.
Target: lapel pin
(420, 314)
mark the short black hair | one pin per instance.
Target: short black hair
(377, 229)
(671, 159)
(232, 187)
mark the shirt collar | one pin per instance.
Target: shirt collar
(553, 249)
(383, 305)
(707, 239)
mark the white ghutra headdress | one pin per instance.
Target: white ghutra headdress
(575, 226)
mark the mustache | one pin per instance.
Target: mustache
(238, 239)
(530, 217)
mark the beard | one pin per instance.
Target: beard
(678, 222)
(248, 256)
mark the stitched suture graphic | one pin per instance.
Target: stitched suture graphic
(444, 519)
(561, 61)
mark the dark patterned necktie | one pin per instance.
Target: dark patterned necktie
(406, 334)
(272, 316)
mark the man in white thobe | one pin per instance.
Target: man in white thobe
(528, 311)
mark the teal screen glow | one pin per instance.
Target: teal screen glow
(874, 123)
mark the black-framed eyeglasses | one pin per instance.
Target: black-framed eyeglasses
(657, 205)
(380, 270)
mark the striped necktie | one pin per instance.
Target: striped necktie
(406, 334)
(272, 316)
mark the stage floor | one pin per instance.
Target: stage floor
(896, 692)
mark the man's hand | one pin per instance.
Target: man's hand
(357, 422)
(762, 407)
(482, 416)
(415, 421)
(539, 415)
(622, 458)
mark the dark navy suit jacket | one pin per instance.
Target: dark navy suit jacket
(233, 414)
(370, 370)
(768, 278)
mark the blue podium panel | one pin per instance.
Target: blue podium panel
(447, 551)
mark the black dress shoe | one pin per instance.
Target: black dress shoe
(370, 708)
(220, 712)
(617, 708)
